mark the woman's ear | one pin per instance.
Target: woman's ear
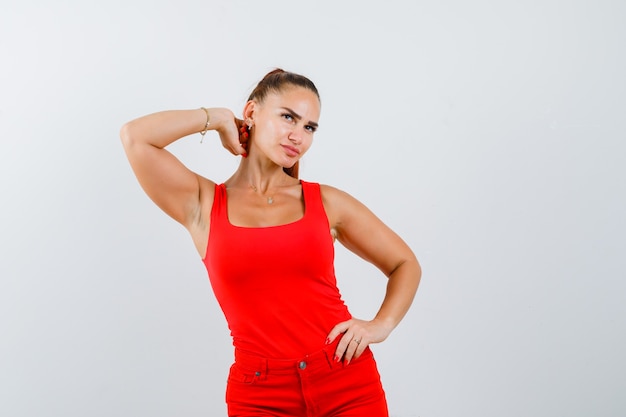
(249, 109)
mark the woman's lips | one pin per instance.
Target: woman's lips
(291, 151)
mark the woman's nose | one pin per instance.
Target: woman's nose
(295, 136)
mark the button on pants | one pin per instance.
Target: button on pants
(312, 386)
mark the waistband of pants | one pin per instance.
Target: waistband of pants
(318, 361)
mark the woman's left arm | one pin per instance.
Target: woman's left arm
(359, 230)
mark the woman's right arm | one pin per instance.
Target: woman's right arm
(169, 183)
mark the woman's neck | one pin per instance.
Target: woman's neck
(261, 179)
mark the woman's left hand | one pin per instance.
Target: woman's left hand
(356, 336)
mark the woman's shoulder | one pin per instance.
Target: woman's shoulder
(207, 186)
(341, 207)
(335, 199)
(332, 192)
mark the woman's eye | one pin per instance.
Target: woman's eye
(288, 116)
(310, 129)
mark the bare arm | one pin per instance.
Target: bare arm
(171, 185)
(359, 230)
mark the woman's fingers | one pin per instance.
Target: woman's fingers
(244, 135)
(356, 335)
(337, 330)
(353, 350)
(352, 344)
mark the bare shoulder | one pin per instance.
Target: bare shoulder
(199, 208)
(206, 197)
(338, 204)
(333, 195)
(200, 216)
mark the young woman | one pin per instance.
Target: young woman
(267, 240)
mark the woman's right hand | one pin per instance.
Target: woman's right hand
(229, 128)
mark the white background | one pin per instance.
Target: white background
(489, 134)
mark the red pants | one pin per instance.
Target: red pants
(313, 386)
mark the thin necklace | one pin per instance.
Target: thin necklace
(270, 199)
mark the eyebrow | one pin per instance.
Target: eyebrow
(297, 116)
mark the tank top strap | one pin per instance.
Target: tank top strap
(313, 200)
(218, 210)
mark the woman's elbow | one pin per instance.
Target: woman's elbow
(127, 135)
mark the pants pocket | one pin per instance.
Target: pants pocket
(241, 375)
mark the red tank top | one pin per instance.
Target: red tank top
(276, 285)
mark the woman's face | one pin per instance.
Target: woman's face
(284, 124)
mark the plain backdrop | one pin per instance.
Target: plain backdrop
(488, 134)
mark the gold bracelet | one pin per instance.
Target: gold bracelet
(206, 126)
